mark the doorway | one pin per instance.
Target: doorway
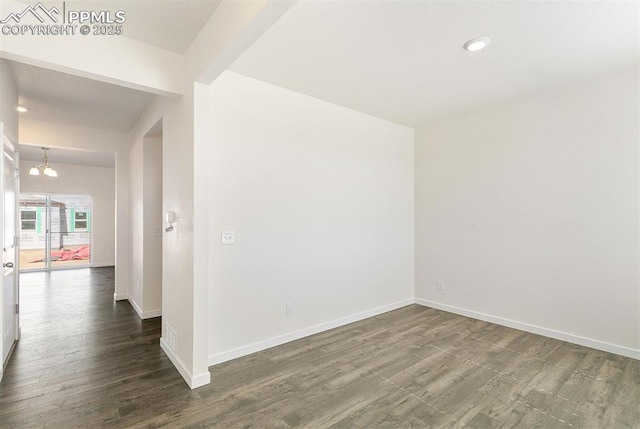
(55, 231)
(146, 234)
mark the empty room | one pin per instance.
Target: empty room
(348, 214)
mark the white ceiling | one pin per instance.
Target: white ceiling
(33, 155)
(64, 98)
(60, 97)
(168, 24)
(403, 61)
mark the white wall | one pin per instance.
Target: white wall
(100, 183)
(321, 201)
(152, 177)
(136, 226)
(146, 226)
(529, 213)
(178, 287)
(8, 102)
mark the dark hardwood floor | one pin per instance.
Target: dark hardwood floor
(87, 362)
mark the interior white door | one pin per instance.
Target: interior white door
(9, 187)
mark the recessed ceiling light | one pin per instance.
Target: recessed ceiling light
(476, 44)
(21, 109)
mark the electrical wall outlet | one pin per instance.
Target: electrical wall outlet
(137, 287)
(440, 286)
(288, 309)
(227, 237)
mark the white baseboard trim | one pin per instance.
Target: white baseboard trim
(120, 296)
(144, 314)
(193, 382)
(151, 314)
(103, 264)
(135, 306)
(296, 335)
(558, 335)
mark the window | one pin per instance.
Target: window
(80, 220)
(28, 220)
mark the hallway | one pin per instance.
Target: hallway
(82, 358)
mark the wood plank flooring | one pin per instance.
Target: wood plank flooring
(87, 362)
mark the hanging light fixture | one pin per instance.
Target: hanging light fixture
(44, 166)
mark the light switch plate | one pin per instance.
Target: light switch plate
(227, 237)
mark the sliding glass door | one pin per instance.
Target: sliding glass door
(33, 236)
(55, 231)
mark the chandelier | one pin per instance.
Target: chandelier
(44, 166)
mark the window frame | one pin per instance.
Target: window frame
(33, 221)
